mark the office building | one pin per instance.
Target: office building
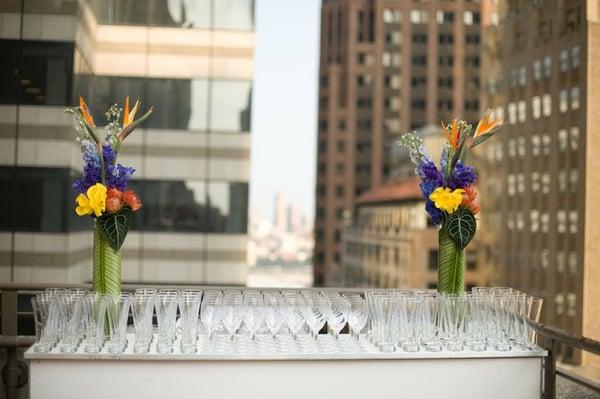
(191, 60)
(542, 75)
(386, 67)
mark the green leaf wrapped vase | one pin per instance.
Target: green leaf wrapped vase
(102, 190)
(451, 197)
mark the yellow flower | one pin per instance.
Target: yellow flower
(93, 201)
(446, 199)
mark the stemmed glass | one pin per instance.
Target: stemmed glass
(71, 305)
(336, 317)
(413, 322)
(532, 312)
(293, 314)
(254, 312)
(454, 314)
(274, 318)
(94, 318)
(142, 307)
(431, 323)
(118, 313)
(45, 315)
(357, 313)
(189, 308)
(312, 311)
(231, 312)
(210, 316)
(475, 321)
(165, 303)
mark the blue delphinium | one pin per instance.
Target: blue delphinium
(463, 176)
(116, 175)
(431, 178)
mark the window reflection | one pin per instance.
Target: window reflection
(33, 72)
(234, 14)
(230, 107)
(181, 13)
(192, 206)
(39, 200)
(178, 103)
(226, 14)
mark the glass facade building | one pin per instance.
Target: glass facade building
(191, 60)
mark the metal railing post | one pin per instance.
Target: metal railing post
(549, 344)
(9, 328)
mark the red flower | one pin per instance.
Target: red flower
(470, 200)
(113, 193)
(130, 198)
(113, 205)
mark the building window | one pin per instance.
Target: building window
(563, 140)
(573, 179)
(534, 220)
(468, 18)
(392, 16)
(522, 108)
(499, 113)
(536, 107)
(575, 57)
(546, 142)
(537, 70)
(563, 101)
(575, 97)
(562, 181)
(522, 75)
(512, 113)
(535, 182)
(573, 220)
(561, 221)
(547, 66)
(544, 222)
(546, 183)
(418, 16)
(535, 145)
(574, 136)
(564, 60)
(546, 105)
(444, 17)
(433, 259)
(339, 191)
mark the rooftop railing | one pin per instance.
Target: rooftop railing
(16, 373)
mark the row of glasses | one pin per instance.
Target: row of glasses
(411, 320)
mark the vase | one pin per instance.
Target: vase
(451, 265)
(107, 264)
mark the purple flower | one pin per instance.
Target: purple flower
(428, 172)
(463, 176)
(435, 214)
(116, 175)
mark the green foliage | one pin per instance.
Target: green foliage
(107, 264)
(114, 226)
(451, 265)
(461, 227)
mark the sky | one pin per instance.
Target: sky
(284, 104)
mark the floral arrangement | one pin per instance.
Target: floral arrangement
(102, 190)
(451, 197)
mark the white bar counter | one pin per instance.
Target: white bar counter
(466, 374)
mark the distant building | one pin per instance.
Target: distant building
(389, 243)
(540, 207)
(386, 67)
(194, 63)
(280, 217)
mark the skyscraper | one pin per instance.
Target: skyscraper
(386, 67)
(541, 67)
(193, 62)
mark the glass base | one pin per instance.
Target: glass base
(70, 348)
(42, 348)
(454, 346)
(92, 348)
(410, 347)
(433, 347)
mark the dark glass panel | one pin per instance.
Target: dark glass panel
(227, 207)
(37, 73)
(188, 206)
(39, 200)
